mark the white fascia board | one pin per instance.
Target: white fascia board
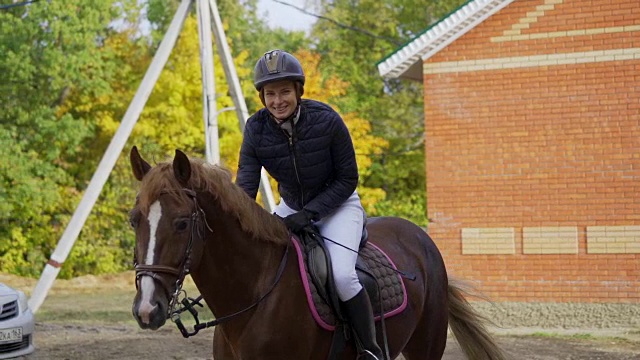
(439, 36)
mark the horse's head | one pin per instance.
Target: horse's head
(169, 226)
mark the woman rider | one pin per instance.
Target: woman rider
(306, 147)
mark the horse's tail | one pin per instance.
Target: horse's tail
(468, 327)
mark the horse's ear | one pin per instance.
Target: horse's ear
(138, 165)
(182, 168)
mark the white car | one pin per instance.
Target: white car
(16, 324)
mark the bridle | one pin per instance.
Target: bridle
(155, 270)
(198, 217)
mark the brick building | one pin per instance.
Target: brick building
(532, 120)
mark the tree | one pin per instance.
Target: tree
(172, 119)
(49, 51)
(70, 69)
(393, 107)
(105, 242)
(248, 35)
(328, 89)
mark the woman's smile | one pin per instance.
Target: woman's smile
(280, 98)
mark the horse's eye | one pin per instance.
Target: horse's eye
(182, 225)
(134, 216)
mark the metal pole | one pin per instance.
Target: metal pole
(52, 268)
(208, 83)
(229, 67)
(236, 94)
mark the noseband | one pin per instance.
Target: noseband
(155, 270)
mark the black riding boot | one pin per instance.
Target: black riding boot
(360, 316)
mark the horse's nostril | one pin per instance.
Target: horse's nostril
(151, 314)
(146, 311)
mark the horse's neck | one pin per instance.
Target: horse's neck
(235, 269)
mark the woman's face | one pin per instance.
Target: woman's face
(280, 98)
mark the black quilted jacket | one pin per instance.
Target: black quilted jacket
(315, 168)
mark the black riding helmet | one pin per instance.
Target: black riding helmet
(276, 65)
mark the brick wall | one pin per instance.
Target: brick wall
(533, 127)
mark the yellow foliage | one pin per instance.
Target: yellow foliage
(326, 89)
(173, 114)
(369, 197)
(364, 142)
(316, 87)
(173, 118)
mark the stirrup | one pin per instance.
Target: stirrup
(369, 355)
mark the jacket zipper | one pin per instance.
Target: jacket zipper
(295, 167)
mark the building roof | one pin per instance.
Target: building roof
(406, 62)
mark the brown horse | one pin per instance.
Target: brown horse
(190, 217)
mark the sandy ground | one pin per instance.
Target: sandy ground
(527, 331)
(57, 341)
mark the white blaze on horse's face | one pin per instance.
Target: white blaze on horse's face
(155, 213)
(147, 285)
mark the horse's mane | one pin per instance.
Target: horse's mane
(217, 182)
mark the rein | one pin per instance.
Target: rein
(189, 303)
(183, 270)
(405, 275)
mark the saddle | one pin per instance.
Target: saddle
(376, 273)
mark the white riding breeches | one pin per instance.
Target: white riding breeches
(343, 226)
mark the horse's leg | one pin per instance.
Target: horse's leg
(221, 348)
(430, 336)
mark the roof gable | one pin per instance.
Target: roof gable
(406, 62)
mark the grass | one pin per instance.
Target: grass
(96, 307)
(544, 334)
(582, 336)
(105, 299)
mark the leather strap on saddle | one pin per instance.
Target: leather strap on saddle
(319, 265)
